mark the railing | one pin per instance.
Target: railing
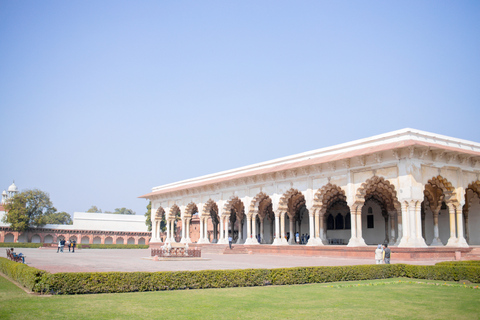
(181, 252)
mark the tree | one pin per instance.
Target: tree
(94, 209)
(148, 216)
(124, 211)
(28, 208)
(58, 218)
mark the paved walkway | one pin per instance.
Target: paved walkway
(90, 260)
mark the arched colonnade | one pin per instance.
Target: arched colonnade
(331, 215)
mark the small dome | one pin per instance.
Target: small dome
(13, 187)
(4, 192)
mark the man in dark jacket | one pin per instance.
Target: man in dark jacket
(386, 254)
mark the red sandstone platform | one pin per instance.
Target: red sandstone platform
(429, 253)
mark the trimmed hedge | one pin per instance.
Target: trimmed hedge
(113, 246)
(459, 263)
(117, 282)
(30, 278)
(20, 245)
(444, 272)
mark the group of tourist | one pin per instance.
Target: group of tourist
(382, 254)
(299, 239)
(70, 244)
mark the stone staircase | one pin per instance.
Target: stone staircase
(474, 254)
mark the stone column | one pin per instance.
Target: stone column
(249, 239)
(323, 230)
(353, 227)
(467, 232)
(385, 217)
(436, 236)
(251, 234)
(200, 240)
(419, 240)
(240, 231)
(391, 215)
(182, 240)
(262, 230)
(311, 225)
(461, 242)
(452, 241)
(360, 240)
(404, 227)
(254, 228)
(227, 220)
(173, 230)
(399, 226)
(291, 240)
(222, 234)
(317, 227)
(282, 227)
(167, 239)
(188, 230)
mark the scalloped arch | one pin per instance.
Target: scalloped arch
(380, 189)
(191, 209)
(160, 213)
(327, 195)
(208, 207)
(174, 212)
(256, 202)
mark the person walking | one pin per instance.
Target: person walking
(379, 254)
(74, 244)
(230, 242)
(59, 245)
(68, 245)
(386, 254)
(62, 245)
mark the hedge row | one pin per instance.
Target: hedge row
(459, 263)
(113, 246)
(83, 246)
(31, 278)
(116, 282)
(20, 245)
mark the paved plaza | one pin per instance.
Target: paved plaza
(101, 260)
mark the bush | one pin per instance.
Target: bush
(459, 263)
(20, 245)
(30, 278)
(116, 282)
(444, 272)
(113, 246)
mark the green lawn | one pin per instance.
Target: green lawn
(391, 298)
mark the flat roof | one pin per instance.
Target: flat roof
(387, 141)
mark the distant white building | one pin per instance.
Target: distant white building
(87, 228)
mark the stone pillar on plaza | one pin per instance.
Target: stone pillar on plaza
(291, 228)
(204, 224)
(167, 239)
(356, 238)
(452, 241)
(223, 239)
(461, 242)
(250, 239)
(313, 227)
(419, 240)
(280, 229)
(436, 236)
(392, 215)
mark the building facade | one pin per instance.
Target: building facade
(408, 188)
(87, 228)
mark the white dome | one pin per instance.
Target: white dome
(13, 187)
(4, 192)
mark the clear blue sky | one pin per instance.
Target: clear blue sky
(102, 100)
